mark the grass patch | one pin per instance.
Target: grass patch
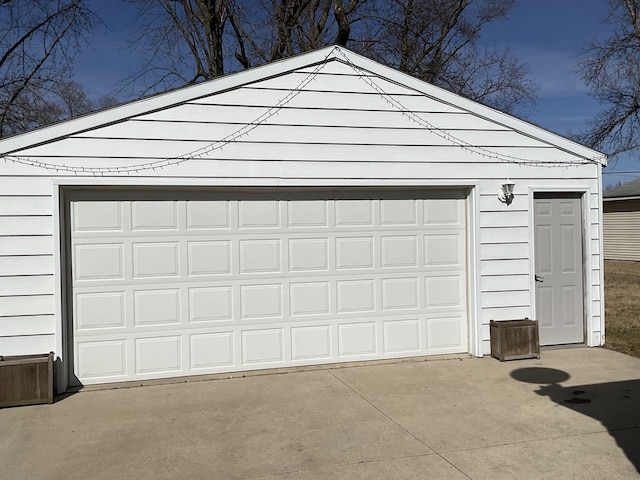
(622, 306)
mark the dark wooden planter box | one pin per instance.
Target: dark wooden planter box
(514, 339)
(26, 380)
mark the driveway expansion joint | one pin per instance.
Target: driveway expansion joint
(403, 428)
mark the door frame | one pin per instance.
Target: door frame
(61, 188)
(587, 254)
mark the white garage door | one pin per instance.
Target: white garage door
(176, 283)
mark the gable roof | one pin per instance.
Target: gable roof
(309, 63)
(624, 191)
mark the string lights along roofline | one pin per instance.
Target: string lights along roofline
(270, 112)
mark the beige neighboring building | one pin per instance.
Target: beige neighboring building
(621, 222)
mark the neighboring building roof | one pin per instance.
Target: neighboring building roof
(627, 190)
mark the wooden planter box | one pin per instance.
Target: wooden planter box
(26, 380)
(514, 339)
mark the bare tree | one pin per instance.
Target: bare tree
(289, 27)
(39, 105)
(187, 41)
(182, 40)
(438, 41)
(611, 70)
(38, 41)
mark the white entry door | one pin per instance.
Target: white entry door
(176, 283)
(558, 269)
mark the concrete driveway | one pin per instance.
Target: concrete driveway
(575, 413)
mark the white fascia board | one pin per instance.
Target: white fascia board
(146, 105)
(619, 199)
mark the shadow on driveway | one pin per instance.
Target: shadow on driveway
(615, 404)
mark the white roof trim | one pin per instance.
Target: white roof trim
(613, 199)
(12, 145)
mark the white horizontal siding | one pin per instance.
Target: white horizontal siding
(505, 267)
(26, 225)
(30, 184)
(27, 301)
(245, 170)
(26, 245)
(514, 218)
(506, 298)
(504, 234)
(324, 150)
(25, 205)
(12, 266)
(489, 201)
(504, 251)
(164, 133)
(339, 129)
(279, 71)
(26, 305)
(504, 313)
(336, 80)
(27, 325)
(26, 285)
(27, 344)
(621, 230)
(505, 283)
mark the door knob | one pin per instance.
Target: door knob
(539, 278)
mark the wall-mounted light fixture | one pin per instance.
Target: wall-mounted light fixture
(505, 194)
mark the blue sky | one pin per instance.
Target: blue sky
(547, 35)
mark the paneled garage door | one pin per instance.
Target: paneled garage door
(179, 283)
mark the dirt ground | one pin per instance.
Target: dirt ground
(622, 306)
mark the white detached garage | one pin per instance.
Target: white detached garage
(320, 209)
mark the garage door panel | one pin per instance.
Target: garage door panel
(259, 301)
(354, 213)
(258, 214)
(398, 212)
(308, 213)
(444, 212)
(210, 304)
(156, 260)
(403, 336)
(356, 296)
(209, 257)
(444, 250)
(157, 307)
(208, 215)
(182, 284)
(158, 354)
(354, 253)
(311, 343)
(100, 310)
(400, 294)
(445, 291)
(261, 347)
(98, 217)
(445, 334)
(212, 350)
(260, 256)
(308, 254)
(102, 359)
(154, 215)
(310, 298)
(357, 339)
(99, 262)
(399, 251)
